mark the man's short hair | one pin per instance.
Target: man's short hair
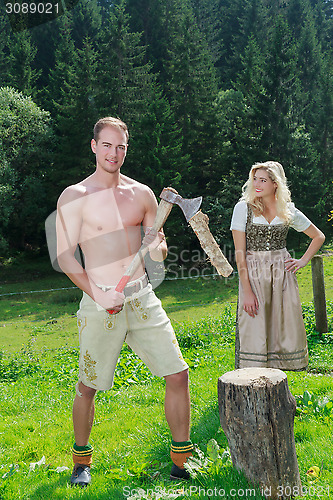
(110, 121)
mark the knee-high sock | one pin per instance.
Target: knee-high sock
(82, 454)
(180, 451)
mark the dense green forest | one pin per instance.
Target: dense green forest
(207, 88)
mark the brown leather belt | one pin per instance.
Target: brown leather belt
(136, 286)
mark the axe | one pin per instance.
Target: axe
(199, 223)
(169, 196)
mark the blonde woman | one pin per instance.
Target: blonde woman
(270, 329)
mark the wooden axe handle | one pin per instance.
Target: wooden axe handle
(163, 211)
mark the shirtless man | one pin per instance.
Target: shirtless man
(103, 214)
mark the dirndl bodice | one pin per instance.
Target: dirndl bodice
(263, 237)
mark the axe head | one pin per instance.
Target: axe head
(189, 206)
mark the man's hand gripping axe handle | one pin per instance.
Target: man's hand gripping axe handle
(163, 211)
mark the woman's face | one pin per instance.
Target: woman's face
(264, 187)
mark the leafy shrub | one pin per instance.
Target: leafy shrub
(63, 368)
(130, 369)
(194, 335)
(309, 317)
(15, 367)
(210, 463)
(310, 405)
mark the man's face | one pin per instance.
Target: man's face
(110, 149)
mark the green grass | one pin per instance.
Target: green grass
(38, 370)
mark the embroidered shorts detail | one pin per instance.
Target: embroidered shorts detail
(142, 324)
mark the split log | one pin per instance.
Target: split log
(257, 414)
(199, 224)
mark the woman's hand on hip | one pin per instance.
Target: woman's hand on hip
(293, 265)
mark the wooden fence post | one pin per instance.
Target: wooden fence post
(318, 286)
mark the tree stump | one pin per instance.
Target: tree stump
(257, 414)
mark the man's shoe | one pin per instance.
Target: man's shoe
(81, 475)
(178, 473)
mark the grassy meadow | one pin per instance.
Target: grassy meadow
(38, 371)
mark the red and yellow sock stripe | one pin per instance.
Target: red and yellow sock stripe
(180, 451)
(82, 454)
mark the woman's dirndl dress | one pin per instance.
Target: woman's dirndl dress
(275, 337)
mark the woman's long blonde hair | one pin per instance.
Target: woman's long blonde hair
(282, 194)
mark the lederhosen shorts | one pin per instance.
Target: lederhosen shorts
(142, 324)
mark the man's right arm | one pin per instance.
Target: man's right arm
(68, 227)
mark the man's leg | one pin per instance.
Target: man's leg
(177, 405)
(177, 412)
(83, 418)
(83, 414)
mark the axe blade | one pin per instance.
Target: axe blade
(189, 206)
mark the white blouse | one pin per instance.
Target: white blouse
(299, 221)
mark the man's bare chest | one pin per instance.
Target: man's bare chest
(106, 212)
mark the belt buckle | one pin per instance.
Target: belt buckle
(131, 289)
(136, 287)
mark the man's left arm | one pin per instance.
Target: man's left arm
(158, 249)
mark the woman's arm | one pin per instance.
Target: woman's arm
(318, 239)
(251, 304)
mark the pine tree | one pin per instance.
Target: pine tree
(62, 74)
(323, 13)
(240, 19)
(284, 135)
(146, 17)
(184, 66)
(86, 21)
(76, 114)
(61, 98)
(124, 77)
(281, 87)
(208, 18)
(322, 137)
(4, 49)
(155, 154)
(45, 38)
(21, 60)
(231, 14)
(191, 87)
(301, 20)
(247, 126)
